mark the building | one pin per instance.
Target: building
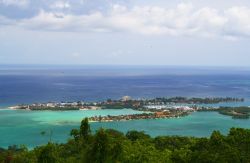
(126, 98)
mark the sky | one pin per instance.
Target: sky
(125, 32)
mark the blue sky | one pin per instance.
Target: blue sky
(125, 32)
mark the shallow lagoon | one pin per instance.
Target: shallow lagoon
(24, 127)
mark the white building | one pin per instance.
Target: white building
(126, 98)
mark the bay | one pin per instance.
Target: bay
(25, 127)
(28, 84)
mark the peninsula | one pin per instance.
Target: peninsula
(151, 108)
(126, 102)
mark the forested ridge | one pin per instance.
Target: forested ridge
(108, 146)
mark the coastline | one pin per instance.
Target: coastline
(158, 107)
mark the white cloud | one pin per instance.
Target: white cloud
(239, 22)
(75, 55)
(183, 20)
(5, 21)
(60, 21)
(60, 5)
(19, 3)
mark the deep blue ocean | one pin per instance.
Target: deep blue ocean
(28, 84)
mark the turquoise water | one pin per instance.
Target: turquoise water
(199, 124)
(24, 127)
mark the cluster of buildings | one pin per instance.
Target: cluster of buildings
(151, 115)
(80, 105)
(125, 102)
(167, 107)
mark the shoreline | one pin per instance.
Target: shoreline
(129, 102)
(158, 107)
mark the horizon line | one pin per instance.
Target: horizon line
(124, 65)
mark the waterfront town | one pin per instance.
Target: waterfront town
(151, 108)
(128, 102)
